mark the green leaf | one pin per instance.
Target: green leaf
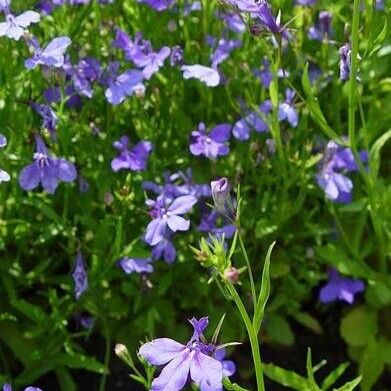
(286, 377)
(371, 365)
(358, 326)
(274, 92)
(232, 386)
(333, 376)
(310, 372)
(308, 321)
(65, 380)
(316, 112)
(374, 153)
(264, 291)
(376, 44)
(31, 311)
(350, 386)
(279, 330)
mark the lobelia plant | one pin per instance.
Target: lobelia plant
(203, 362)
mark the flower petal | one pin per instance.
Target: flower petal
(206, 371)
(155, 231)
(178, 223)
(29, 177)
(182, 204)
(174, 375)
(161, 350)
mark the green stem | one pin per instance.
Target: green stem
(353, 74)
(250, 273)
(102, 384)
(253, 336)
(352, 132)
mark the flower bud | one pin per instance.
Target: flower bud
(123, 353)
(232, 275)
(220, 192)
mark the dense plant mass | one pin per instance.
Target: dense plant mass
(218, 161)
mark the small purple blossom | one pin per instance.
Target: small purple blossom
(234, 22)
(136, 265)
(223, 50)
(51, 55)
(47, 170)
(158, 5)
(165, 249)
(344, 62)
(331, 178)
(176, 57)
(322, 29)
(79, 275)
(14, 27)
(306, 2)
(212, 144)
(197, 358)
(166, 215)
(255, 120)
(178, 184)
(340, 288)
(209, 76)
(49, 117)
(134, 159)
(123, 85)
(4, 176)
(286, 109)
(7, 387)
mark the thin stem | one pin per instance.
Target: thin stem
(353, 74)
(102, 384)
(253, 336)
(250, 273)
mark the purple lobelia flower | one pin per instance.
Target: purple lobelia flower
(208, 224)
(140, 52)
(166, 216)
(51, 55)
(47, 170)
(322, 30)
(287, 111)
(344, 61)
(209, 76)
(306, 2)
(134, 159)
(223, 50)
(379, 5)
(221, 190)
(4, 176)
(234, 22)
(165, 249)
(83, 74)
(245, 5)
(255, 120)
(179, 184)
(7, 387)
(49, 117)
(176, 57)
(121, 86)
(336, 160)
(136, 265)
(212, 144)
(197, 358)
(158, 5)
(14, 27)
(340, 288)
(79, 275)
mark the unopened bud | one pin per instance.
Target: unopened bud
(232, 275)
(123, 353)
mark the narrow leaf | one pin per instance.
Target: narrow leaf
(285, 377)
(333, 376)
(350, 386)
(264, 292)
(316, 112)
